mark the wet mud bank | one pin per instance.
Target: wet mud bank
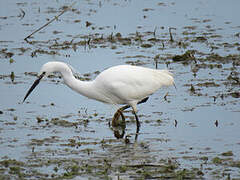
(190, 132)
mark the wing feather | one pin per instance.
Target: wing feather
(128, 83)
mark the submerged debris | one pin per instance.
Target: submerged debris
(80, 146)
(12, 76)
(216, 123)
(4, 53)
(41, 51)
(228, 153)
(188, 55)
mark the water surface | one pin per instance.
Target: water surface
(193, 133)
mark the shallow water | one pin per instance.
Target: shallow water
(60, 134)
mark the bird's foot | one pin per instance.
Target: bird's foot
(119, 124)
(118, 119)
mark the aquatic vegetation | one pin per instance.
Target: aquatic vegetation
(190, 132)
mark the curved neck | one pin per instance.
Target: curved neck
(85, 88)
(79, 86)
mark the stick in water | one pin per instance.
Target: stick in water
(56, 17)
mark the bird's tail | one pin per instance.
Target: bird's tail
(167, 77)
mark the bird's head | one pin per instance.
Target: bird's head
(46, 70)
(49, 68)
(36, 82)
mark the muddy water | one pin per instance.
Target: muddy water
(192, 133)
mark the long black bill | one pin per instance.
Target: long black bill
(36, 82)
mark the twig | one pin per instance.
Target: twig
(144, 165)
(165, 97)
(22, 15)
(154, 32)
(55, 18)
(170, 33)
(156, 61)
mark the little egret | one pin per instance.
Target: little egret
(122, 84)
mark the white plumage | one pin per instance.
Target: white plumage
(123, 84)
(126, 84)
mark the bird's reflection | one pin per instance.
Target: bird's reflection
(119, 124)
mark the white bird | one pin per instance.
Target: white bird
(122, 84)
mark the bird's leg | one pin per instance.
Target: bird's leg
(115, 119)
(135, 114)
(127, 106)
(118, 135)
(117, 114)
(143, 100)
(124, 108)
(138, 125)
(120, 110)
(136, 135)
(137, 120)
